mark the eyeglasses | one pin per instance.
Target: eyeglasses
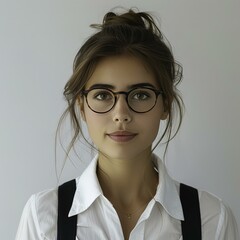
(140, 100)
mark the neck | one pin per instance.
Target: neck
(127, 181)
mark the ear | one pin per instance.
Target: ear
(164, 115)
(80, 102)
(165, 109)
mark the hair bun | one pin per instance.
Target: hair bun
(131, 18)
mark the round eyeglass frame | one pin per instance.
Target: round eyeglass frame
(157, 92)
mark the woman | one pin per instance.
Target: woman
(124, 88)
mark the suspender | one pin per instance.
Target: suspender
(67, 226)
(191, 226)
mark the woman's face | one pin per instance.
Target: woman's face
(106, 130)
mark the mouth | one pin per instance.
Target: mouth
(121, 136)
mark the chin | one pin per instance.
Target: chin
(123, 154)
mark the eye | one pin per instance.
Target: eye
(102, 95)
(141, 95)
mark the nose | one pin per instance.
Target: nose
(121, 111)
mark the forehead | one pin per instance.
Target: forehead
(121, 72)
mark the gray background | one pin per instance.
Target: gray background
(38, 40)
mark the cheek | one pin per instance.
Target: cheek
(91, 121)
(154, 128)
(96, 124)
(152, 123)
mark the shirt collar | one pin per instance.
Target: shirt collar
(167, 192)
(88, 190)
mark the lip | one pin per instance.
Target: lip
(122, 136)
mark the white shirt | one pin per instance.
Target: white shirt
(97, 219)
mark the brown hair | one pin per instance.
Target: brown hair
(136, 34)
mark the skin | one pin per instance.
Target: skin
(126, 175)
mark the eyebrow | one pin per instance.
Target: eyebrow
(129, 87)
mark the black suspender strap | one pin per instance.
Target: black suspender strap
(66, 226)
(191, 226)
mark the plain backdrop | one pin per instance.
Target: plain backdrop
(38, 41)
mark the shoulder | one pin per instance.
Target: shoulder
(209, 204)
(217, 218)
(39, 217)
(46, 203)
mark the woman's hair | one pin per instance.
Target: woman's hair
(135, 34)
